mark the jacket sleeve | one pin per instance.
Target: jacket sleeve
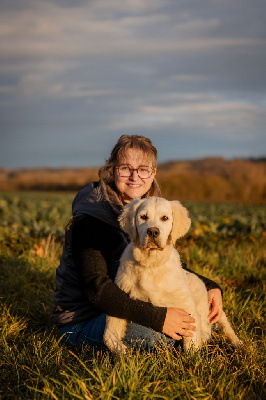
(93, 245)
(208, 282)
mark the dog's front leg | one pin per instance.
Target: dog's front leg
(114, 332)
(192, 344)
(200, 297)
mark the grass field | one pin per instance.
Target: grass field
(225, 243)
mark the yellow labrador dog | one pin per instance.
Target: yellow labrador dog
(150, 270)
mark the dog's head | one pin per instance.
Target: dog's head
(154, 222)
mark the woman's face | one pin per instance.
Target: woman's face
(133, 186)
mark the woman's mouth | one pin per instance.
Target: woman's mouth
(132, 185)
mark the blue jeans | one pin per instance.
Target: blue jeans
(91, 332)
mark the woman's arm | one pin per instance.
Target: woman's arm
(95, 245)
(107, 297)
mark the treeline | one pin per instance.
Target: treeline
(215, 179)
(209, 179)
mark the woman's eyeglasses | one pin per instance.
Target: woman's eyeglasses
(142, 171)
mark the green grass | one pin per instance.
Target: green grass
(34, 365)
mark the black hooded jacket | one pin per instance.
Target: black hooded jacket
(94, 243)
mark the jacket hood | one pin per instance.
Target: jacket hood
(98, 200)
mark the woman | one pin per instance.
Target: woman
(85, 289)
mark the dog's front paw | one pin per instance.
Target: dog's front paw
(115, 345)
(114, 332)
(192, 345)
(119, 348)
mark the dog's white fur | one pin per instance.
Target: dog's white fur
(150, 270)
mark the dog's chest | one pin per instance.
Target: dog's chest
(156, 285)
(156, 288)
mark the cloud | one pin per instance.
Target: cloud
(46, 41)
(100, 68)
(210, 114)
(48, 30)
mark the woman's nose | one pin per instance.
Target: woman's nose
(134, 175)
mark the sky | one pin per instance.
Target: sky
(77, 74)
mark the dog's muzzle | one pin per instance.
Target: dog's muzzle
(153, 233)
(153, 239)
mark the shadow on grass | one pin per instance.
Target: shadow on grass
(27, 289)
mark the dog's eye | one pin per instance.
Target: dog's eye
(144, 217)
(164, 218)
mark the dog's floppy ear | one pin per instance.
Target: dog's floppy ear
(181, 221)
(127, 218)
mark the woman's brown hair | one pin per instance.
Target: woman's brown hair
(125, 142)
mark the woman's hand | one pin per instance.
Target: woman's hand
(216, 305)
(177, 323)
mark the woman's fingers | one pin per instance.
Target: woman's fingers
(216, 304)
(185, 332)
(189, 319)
(181, 311)
(189, 327)
(214, 319)
(214, 311)
(215, 316)
(175, 336)
(178, 323)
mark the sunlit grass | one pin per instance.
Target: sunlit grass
(35, 365)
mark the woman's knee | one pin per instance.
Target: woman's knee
(84, 333)
(145, 338)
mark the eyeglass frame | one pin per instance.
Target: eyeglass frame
(134, 169)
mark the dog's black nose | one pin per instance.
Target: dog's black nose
(153, 232)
